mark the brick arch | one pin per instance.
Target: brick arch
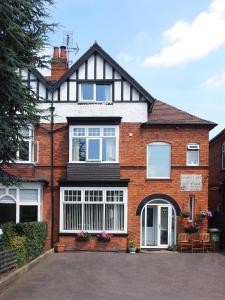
(158, 196)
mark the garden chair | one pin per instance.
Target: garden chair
(183, 241)
(206, 242)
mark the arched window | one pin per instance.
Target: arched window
(223, 156)
(158, 160)
(193, 154)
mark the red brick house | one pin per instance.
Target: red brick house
(217, 173)
(113, 158)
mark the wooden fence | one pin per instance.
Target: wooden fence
(7, 260)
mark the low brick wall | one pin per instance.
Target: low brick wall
(117, 243)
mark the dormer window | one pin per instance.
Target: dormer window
(91, 92)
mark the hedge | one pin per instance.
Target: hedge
(28, 239)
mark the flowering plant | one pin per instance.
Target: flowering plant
(205, 213)
(83, 236)
(131, 240)
(104, 237)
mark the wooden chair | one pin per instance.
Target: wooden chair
(183, 241)
(206, 242)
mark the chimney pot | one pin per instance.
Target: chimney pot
(63, 52)
(56, 52)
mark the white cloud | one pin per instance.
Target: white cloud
(48, 51)
(126, 57)
(216, 81)
(191, 41)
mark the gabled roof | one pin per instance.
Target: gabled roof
(165, 114)
(220, 134)
(95, 48)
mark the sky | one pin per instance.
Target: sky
(175, 49)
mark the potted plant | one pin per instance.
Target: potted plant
(205, 214)
(185, 214)
(83, 236)
(59, 247)
(104, 237)
(131, 244)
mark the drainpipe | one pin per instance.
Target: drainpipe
(52, 108)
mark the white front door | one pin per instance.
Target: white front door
(157, 226)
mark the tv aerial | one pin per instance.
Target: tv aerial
(68, 42)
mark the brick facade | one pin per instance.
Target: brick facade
(216, 174)
(132, 153)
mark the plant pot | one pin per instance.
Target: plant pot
(59, 249)
(131, 250)
(102, 240)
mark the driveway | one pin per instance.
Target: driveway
(112, 276)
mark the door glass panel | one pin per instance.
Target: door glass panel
(151, 226)
(164, 225)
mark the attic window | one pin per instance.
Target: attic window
(95, 92)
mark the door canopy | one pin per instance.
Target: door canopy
(158, 196)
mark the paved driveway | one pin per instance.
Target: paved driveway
(98, 276)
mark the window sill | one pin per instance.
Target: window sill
(25, 163)
(92, 234)
(160, 179)
(94, 102)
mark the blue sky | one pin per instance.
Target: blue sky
(175, 49)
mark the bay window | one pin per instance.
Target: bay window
(158, 160)
(94, 144)
(93, 209)
(20, 204)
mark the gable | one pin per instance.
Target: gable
(97, 66)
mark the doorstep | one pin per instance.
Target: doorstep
(157, 251)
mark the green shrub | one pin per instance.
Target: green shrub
(35, 233)
(19, 243)
(33, 236)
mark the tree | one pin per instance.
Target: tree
(23, 34)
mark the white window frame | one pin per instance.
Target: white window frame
(223, 154)
(94, 93)
(189, 145)
(87, 137)
(104, 202)
(19, 202)
(191, 209)
(147, 168)
(30, 139)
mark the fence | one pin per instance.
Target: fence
(7, 260)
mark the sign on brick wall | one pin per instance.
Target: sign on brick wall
(190, 183)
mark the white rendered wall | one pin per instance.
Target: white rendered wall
(130, 112)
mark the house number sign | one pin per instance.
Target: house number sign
(190, 183)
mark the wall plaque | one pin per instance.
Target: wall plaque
(190, 183)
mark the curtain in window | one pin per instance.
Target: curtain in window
(109, 149)
(72, 216)
(79, 149)
(93, 217)
(114, 217)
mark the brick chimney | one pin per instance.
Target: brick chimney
(59, 64)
